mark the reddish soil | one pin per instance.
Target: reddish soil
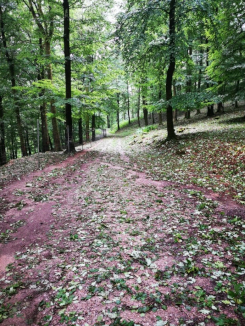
(88, 241)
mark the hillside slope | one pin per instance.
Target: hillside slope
(132, 231)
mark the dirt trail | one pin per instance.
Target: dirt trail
(92, 241)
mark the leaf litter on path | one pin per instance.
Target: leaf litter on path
(104, 239)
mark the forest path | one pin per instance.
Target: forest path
(95, 241)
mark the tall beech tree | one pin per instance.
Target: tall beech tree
(44, 16)
(147, 32)
(68, 108)
(171, 68)
(43, 105)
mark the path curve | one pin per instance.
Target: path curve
(95, 241)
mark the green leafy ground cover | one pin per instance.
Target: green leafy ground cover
(209, 153)
(133, 232)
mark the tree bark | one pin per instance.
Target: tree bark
(175, 111)
(210, 111)
(138, 108)
(145, 111)
(68, 108)
(170, 71)
(57, 145)
(87, 127)
(144, 104)
(108, 121)
(220, 107)
(43, 108)
(210, 108)
(200, 77)
(93, 127)
(3, 157)
(118, 111)
(28, 142)
(188, 82)
(128, 103)
(80, 131)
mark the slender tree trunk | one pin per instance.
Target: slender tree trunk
(200, 77)
(210, 112)
(128, 103)
(50, 143)
(57, 145)
(43, 108)
(93, 127)
(28, 142)
(145, 111)
(44, 128)
(220, 107)
(160, 117)
(108, 121)
(175, 111)
(210, 108)
(138, 107)
(3, 157)
(170, 71)
(118, 111)
(68, 109)
(144, 104)
(87, 127)
(80, 131)
(188, 82)
(237, 89)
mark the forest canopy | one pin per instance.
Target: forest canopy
(70, 67)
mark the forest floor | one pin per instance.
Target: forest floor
(132, 231)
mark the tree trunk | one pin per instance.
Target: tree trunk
(118, 111)
(3, 158)
(13, 153)
(220, 107)
(210, 110)
(27, 142)
(188, 114)
(138, 108)
(153, 118)
(128, 103)
(80, 131)
(50, 143)
(57, 145)
(175, 111)
(108, 121)
(237, 90)
(188, 82)
(44, 128)
(93, 127)
(145, 111)
(43, 108)
(87, 127)
(170, 71)
(68, 109)
(198, 111)
(10, 62)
